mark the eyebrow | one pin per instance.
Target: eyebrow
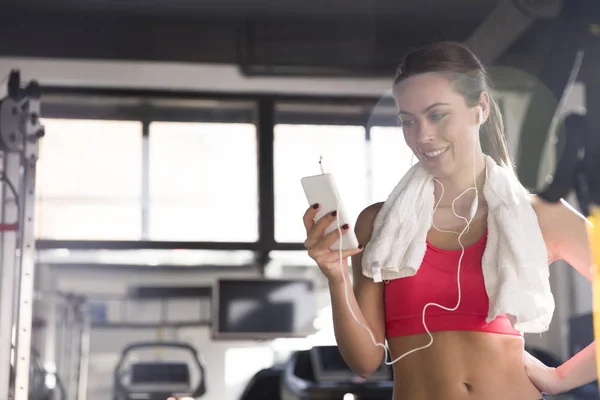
(425, 110)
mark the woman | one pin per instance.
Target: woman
(442, 93)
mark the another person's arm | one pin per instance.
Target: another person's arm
(565, 233)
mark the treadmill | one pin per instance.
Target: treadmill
(321, 373)
(161, 378)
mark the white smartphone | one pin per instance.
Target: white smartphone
(322, 189)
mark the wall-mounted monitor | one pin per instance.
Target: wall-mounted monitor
(262, 309)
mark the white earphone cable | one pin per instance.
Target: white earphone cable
(466, 229)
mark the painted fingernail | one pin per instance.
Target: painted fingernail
(360, 246)
(315, 206)
(345, 226)
(333, 214)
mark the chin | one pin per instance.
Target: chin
(442, 167)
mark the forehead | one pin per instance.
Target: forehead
(420, 91)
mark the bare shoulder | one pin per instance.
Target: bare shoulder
(364, 230)
(365, 221)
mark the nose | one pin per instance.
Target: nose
(425, 133)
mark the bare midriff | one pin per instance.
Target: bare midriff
(461, 365)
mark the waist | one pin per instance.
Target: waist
(461, 366)
(448, 321)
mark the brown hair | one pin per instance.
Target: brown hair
(470, 79)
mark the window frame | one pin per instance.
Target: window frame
(262, 110)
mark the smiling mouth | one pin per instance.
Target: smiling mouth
(435, 153)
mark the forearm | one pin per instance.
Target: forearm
(579, 369)
(354, 341)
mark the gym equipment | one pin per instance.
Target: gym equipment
(39, 388)
(545, 356)
(158, 379)
(321, 373)
(581, 334)
(572, 53)
(265, 384)
(20, 131)
(64, 337)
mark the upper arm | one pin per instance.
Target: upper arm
(565, 233)
(369, 295)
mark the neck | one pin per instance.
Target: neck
(458, 183)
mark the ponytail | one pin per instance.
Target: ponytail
(493, 138)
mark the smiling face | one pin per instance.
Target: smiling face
(438, 125)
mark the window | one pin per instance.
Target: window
(203, 182)
(89, 180)
(391, 158)
(297, 150)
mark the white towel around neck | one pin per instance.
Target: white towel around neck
(515, 260)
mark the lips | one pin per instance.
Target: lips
(434, 153)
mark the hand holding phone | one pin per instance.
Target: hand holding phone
(322, 189)
(323, 240)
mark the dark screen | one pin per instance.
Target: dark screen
(265, 306)
(331, 359)
(148, 373)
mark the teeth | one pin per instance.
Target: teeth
(436, 153)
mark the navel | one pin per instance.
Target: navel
(468, 386)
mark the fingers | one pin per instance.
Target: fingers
(325, 243)
(333, 256)
(330, 257)
(329, 239)
(315, 234)
(309, 217)
(319, 245)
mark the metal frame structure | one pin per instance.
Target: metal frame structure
(156, 295)
(20, 131)
(64, 337)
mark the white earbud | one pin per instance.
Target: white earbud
(480, 122)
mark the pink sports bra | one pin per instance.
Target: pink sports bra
(435, 282)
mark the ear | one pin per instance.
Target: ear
(484, 107)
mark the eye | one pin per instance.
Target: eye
(437, 117)
(405, 123)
